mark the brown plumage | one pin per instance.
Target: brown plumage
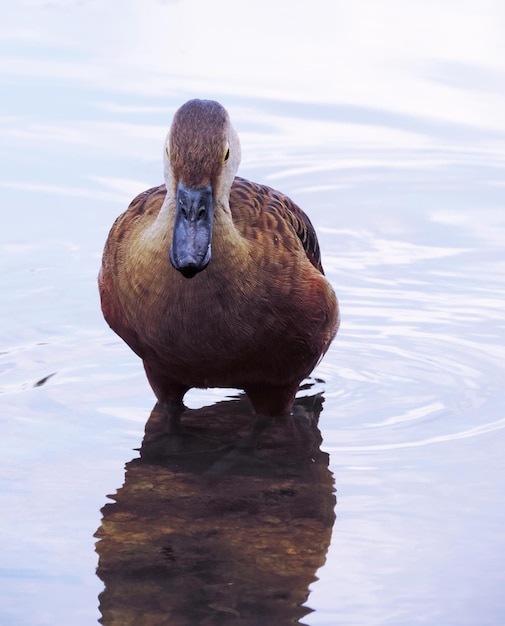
(215, 281)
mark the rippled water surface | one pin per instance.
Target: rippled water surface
(386, 125)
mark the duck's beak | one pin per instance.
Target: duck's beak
(190, 251)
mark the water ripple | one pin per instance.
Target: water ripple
(418, 359)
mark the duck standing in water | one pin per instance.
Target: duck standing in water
(215, 281)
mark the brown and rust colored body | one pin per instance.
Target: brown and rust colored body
(215, 281)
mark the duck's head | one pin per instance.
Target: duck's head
(202, 154)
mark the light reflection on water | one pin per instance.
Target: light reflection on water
(406, 191)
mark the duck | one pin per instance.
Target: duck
(214, 280)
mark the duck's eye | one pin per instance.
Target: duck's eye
(226, 155)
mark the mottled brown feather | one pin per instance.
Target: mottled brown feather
(260, 200)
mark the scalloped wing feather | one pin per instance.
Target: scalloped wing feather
(261, 201)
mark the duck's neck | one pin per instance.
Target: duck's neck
(228, 247)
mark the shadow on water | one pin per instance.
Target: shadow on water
(222, 522)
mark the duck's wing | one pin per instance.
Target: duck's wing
(270, 208)
(143, 208)
(149, 201)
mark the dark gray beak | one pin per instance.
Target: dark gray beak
(190, 251)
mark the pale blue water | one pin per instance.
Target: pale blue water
(386, 126)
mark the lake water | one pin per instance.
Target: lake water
(384, 121)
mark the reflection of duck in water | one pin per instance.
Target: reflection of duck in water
(215, 281)
(218, 525)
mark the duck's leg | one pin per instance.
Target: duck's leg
(272, 400)
(169, 393)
